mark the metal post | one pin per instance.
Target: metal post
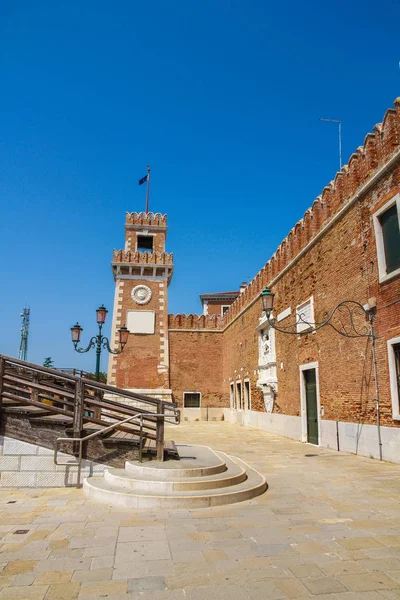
(78, 409)
(337, 436)
(98, 353)
(160, 432)
(141, 440)
(148, 189)
(378, 415)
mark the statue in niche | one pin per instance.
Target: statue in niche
(265, 345)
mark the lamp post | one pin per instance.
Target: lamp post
(343, 320)
(99, 341)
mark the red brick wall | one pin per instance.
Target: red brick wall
(341, 265)
(196, 365)
(214, 306)
(137, 365)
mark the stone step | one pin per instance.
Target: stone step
(187, 491)
(195, 461)
(125, 479)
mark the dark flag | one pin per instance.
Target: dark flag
(141, 181)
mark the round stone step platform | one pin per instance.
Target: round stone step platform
(195, 461)
(202, 478)
(128, 479)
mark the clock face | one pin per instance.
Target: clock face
(141, 294)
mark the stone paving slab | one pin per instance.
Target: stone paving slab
(328, 528)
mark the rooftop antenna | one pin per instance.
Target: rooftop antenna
(340, 138)
(23, 347)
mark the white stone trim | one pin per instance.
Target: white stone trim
(303, 404)
(118, 297)
(283, 314)
(222, 308)
(355, 438)
(380, 247)
(394, 393)
(232, 394)
(26, 465)
(300, 326)
(246, 380)
(137, 290)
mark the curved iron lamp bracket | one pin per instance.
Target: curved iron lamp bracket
(91, 344)
(346, 313)
(106, 345)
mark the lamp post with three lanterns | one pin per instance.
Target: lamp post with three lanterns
(99, 341)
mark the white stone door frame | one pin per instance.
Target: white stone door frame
(303, 403)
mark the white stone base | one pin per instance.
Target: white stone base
(156, 394)
(27, 465)
(353, 437)
(202, 414)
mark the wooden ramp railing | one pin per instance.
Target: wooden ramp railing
(50, 395)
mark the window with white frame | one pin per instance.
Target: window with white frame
(247, 395)
(239, 395)
(305, 315)
(387, 236)
(224, 308)
(232, 394)
(191, 399)
(394, 375)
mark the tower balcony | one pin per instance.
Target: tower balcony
(142, 265)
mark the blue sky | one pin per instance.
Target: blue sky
(221, 97)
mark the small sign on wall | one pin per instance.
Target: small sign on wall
(140, 321)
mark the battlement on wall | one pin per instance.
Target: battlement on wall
(144, 218)
(195, 322)
(377, 149)
(143, 258)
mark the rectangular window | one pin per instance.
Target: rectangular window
(232, 395)
(224, 308)
(145, 243)
(305, 315)
(391, 238)
(191, 399)
(394, 375)
(239, 395)
(247, 396)
(387, 235)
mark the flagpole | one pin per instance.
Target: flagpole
(148, 189)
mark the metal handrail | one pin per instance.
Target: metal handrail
(172, 406)
(78, 464)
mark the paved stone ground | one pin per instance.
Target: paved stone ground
(327, 528)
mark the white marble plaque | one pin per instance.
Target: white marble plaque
(305, 312)
(140, 321)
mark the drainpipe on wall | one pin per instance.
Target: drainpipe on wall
(371, 315)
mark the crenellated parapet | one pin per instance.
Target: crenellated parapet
(143, 219)
(143, 258)
(195, 322)
(378, 148)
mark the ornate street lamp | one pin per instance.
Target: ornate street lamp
(99, 341)
(343, 319)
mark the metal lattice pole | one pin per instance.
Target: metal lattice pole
(23, 347)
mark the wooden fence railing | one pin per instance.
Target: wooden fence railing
(82, 401)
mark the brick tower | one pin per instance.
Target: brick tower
(142, 273)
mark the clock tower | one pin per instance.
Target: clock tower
(142, 273)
